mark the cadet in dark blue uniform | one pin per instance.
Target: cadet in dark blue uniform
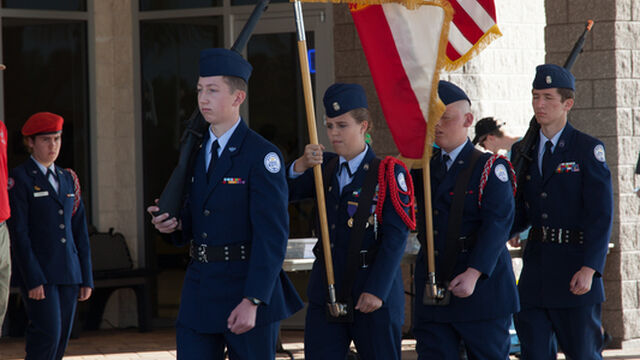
(568, 201)
(49, 239)
(368, 277)
(235, 220)
(483, 291)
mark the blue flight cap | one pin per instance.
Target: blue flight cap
(223, 62)
(450, 93)
(341, 98)
(553, 76)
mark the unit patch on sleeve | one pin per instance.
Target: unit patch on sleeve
(402, 182)
(501, 173)
(272, 162)
(598, 151)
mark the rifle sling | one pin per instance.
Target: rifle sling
(452, 244)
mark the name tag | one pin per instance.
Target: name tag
(40, 194)
(71, 195)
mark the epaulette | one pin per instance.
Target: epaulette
(387, 179)
(487, 170)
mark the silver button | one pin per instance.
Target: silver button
(60, 212)
(330, 187)
(332, 245)
(543, 195)
(333, 226)
(192, 179)
(337, 207)
(61, 226)
(63, 240)
(528, 177)
(204, 235)
(544, 215)
(435, 212)
(206, 213)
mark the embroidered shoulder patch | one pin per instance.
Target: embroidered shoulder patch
(272, 162)
(501, 173)
(598, 152)
(402, 182)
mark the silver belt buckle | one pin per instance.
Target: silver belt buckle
(545, 231)
(202, 253)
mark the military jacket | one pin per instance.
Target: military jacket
(244, 202)
(50, 244)
(495, 293)
(382, 277)
(577, 196)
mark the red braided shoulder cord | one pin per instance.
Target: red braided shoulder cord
(487, 170)
(386, 178)
(76, 190)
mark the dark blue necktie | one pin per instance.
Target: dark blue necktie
(345, 166)
(441, 168)
(546, 158)
(214, 158)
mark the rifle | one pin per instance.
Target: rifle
(523, 152)
(171, 198)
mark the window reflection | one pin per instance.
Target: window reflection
(68, 5)
(146, 5)
(47, 71)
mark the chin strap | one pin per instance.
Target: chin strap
(387, 179)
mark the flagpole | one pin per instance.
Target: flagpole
(335, 309)
(432, 291)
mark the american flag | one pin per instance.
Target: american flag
(472, 28)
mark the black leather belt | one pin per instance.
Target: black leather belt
(233, 252)
(546, 234)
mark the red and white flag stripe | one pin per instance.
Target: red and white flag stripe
(474, 25)
(404, 49)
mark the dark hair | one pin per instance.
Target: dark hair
(566, 94)
(235, 83)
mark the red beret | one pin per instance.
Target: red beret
(42, 123)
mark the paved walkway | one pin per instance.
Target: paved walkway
(160, 345)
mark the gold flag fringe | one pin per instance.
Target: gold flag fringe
(484, 41)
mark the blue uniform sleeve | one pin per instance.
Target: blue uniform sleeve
(270, 227)
(598, 208)
(497, 213)
(303, 186)
(81, 239)
(521, 219)
(392, 245)
(21, 247)
(181, 238)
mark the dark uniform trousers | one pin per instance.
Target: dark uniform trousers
(377, 335)
(481, 320)
(242, 202)
(575, 195)
(50, 247)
